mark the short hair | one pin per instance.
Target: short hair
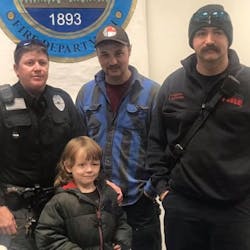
(27, 46)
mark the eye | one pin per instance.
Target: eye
(43, 63)
(200, 33)
(95, 163)
(103, 54)
(81, 164)
(119, 53)
(29, 63)
(219, 32)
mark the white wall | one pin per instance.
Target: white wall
(167, 31)
(158, 33)
(71, 76)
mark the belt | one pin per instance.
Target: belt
(16, 197)
(7, 188)
(13, 198)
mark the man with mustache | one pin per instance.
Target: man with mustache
(199, 150)
(117, 108)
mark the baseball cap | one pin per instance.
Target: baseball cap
(112, 33)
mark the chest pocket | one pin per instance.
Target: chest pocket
(17, 122)
(93, 117)
(60, 117)
(13, 119)
(55, 127)
(136, 117)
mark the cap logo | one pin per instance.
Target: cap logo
(109, 31)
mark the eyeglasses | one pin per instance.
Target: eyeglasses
(211, 17)
(26, 43)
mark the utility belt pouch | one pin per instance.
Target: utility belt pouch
(36, 197)
(14, 200)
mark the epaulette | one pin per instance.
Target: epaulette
(6, 94)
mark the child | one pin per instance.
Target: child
(84, 213)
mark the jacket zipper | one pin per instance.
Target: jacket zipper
(99, 218)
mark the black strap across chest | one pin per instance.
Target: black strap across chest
(228, 88)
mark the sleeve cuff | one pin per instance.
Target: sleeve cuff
(150, 190)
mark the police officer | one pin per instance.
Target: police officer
(36, 121)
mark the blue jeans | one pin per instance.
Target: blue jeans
(143, 217)
(194, 225)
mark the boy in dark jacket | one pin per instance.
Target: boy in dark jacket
(84, 213)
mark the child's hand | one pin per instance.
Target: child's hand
(117, 247)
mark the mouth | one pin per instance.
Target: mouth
(210, 49)
(37, 77)
(113, 68)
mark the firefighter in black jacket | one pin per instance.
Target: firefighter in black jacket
(205, 187)
(36, 122)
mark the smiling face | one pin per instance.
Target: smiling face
(84, 171)
(32, 71)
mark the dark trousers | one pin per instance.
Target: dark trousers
(19, 241)
(195, 225)
(143, 217)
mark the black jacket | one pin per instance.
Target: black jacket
(215, 165)
(71, 220)
(33, 134)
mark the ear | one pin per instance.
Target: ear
(129, 50)
(67, 167)
(15, 67)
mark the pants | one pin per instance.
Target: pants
(143, 217)
(195, 225)
(19, 241)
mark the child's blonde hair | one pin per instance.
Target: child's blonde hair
(93, 152)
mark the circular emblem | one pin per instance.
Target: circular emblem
(67, 27)
(109, 31)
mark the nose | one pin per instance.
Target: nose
(113, 60)
(209, 38)
(89, 167)
(37, 66)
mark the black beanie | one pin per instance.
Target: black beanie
(211, 15)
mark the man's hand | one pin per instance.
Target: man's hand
(117, 247)
(163, 195)
(7, 221)
(118, 191)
